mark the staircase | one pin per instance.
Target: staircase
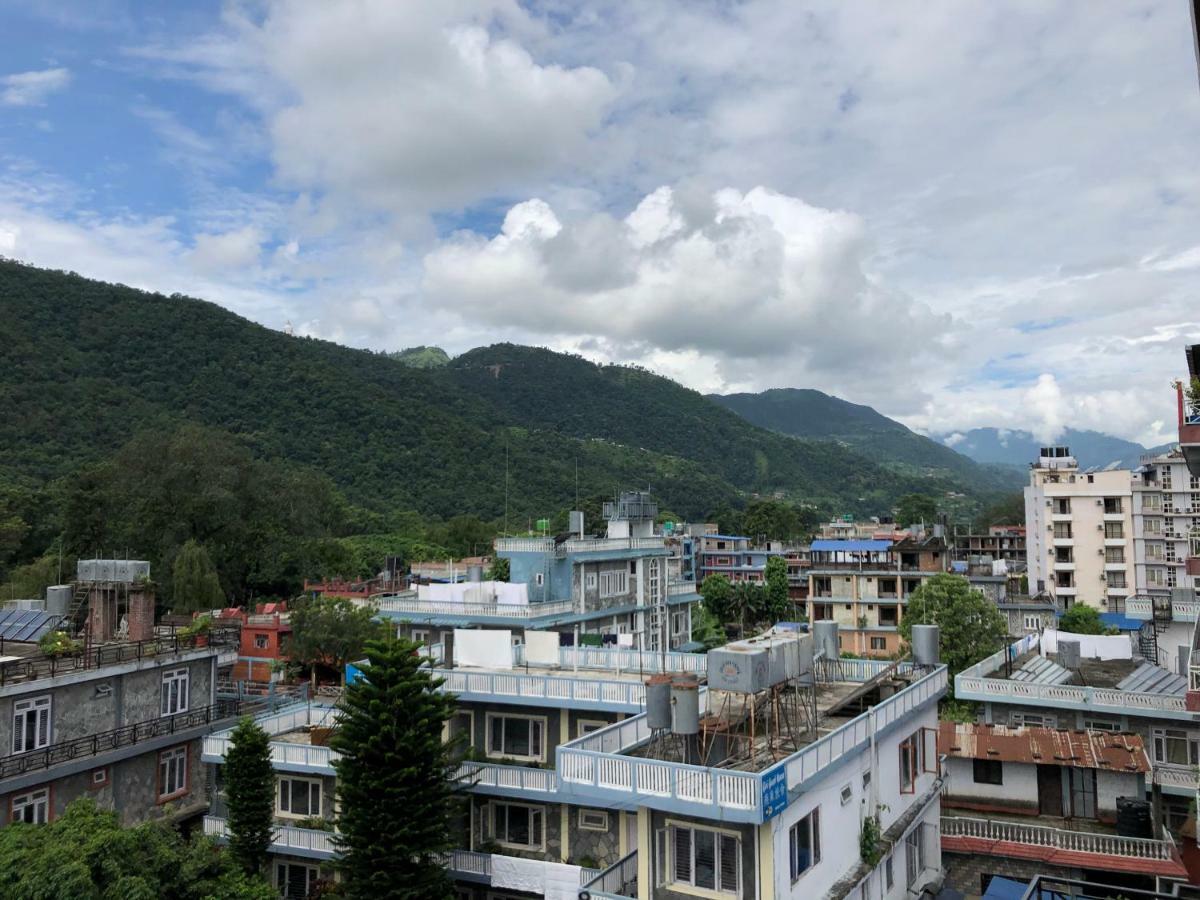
(1160, 619)
(77, 612)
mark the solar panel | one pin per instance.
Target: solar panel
(1039, 670)
(1150, 679)
(26, 625)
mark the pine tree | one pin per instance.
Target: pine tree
(194, 582)
(250, 795)
(394, 778)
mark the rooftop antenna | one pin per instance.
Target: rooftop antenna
(506, 482)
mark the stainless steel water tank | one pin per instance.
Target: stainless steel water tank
(1068, 654)
(807, 674)
(58, 599)
(925, 648)
(825, 633)
(685, 698)
(658, 701)
(475, 573)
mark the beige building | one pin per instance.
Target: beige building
(1079, 532)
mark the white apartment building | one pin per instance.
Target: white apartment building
(1166, 515)
(1079, 532)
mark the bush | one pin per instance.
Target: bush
(59, 643)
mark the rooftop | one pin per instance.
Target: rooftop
(1078, 749)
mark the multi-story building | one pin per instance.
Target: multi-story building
(733, 556)
(1166, 522)
(119, 721)
(1079, 532)
(1022, 686)
(1002, 542)
(865, 585)
(587, 776)
(614, 589)
(265, 638)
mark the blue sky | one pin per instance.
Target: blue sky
(978, 214)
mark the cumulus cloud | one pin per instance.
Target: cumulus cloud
(32, 88)
(230, 250)
(757, 278)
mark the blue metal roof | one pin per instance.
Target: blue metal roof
(853, 546)
(1120, 621)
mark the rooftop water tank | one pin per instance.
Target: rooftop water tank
(658, 702)
(1068, 654)
(825, 633)
(685, 697)
(739, 668)
(58, 599)
(925, 649)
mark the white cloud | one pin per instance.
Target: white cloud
(230, 250)
(32, 88)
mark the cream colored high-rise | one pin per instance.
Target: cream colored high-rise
(1079, 532)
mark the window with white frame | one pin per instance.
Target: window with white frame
(1114, 554)
(31, 724)
(889, 877)
(518, 737)
(593, 820)
(804, 844)
(1116, 579)
(587, 726)
(261, 642)
(33, 807)
(679, 624)
(1032, 720)
(590, 581)
(614, 583)
(1033, 622)
(298, 798)
(914, 853)
(1100, 725)
(1156, 550)
(420, 635)
(172, 772)
(295, 881)
(518, 825)
(705, 858)
(878, 643)
(1175, 747)
(1151, 502)
(1156, 576)
(174, 692)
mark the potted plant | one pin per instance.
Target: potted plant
(1192, 391)
(58, 643)
(198, 630)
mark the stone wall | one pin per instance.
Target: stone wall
(966, 872)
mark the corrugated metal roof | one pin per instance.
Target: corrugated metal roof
(852, 546)
(1040, 670)
(26, 625)
(1150, 679)
(1079, 749)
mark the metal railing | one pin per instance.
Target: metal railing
(517, 778)
(284, 839)
(576, 545)
(533, 610)
(496, 686)
(627, 660)
(115, 739)
(31, 668)
(617, 882)
(285, 754)
(470, 862)
(1057, 838)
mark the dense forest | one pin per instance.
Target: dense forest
(135, 421)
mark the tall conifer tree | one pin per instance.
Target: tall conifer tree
(250, 794)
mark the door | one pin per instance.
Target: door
(1050, 797)
(1082, 793)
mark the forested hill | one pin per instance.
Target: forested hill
(86, 365)
(812, 414)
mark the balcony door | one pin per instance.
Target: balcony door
(1050, 791)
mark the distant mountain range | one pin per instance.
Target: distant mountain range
(1093, 449)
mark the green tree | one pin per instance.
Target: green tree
(1083, 619)
(717, 593)
(331, 631)
(970, 625)
(771, 520)
(748, 602)
(1009, 510)
(85, 854)
(706, 629)
(913, 508)
(728, 520)
(776, 581)
(394, 778)
(499, 570)
(250, 795)
(194, 582)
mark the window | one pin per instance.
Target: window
(804, 843)
(31, 724)
(1114, 554)
(1152, 525)
(261, 642)
(1064, 554)
(593, 820)
(99, 778)
(1175, 747)
(910, 751)
(590, 581)
(1156, 577)
(587, 726)
(519, 737)
(174, 692)
(420, 635)
(1032, 720)
(878, 643)
(705, 858)
(914, 852)
(518, 825)
(1113, 530)
(1155, 550)
(33, 807)
(1100, 725)
(1116, 579)
(1112, 505)
(295, 881)
(1062, 507)
(1062, 530)
(298, 798)
(988, 771)
(1151, 502)
(172, 773)
(679, 623)
(539, 579)
(1033, 622)
(889, 877)
(614, 583)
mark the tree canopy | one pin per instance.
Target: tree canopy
(1083, 619)
(250, 795)
(914, 508)
(85, 854)
(194, 582)
(331, 631)
(394, 778)
(970, 626)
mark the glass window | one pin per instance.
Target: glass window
(31, 724)
(878, 643)
(1114, 554)
(33, 807)
(299, 798)
(519, 737)
(172, 772)
(706, 859)
(1175, 747)
(988, 771)
(910, 762)
(593, 820)
(174, 692)
(295, 881)
(518, 825)
(804, 843)
(1117, 529)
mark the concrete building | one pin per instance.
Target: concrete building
(586, 777)
(733, 556)
(1001, 542)
(1025, 801)
(1079, 533)
(1166, 524)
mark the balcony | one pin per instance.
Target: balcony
(599, 768)
(311, 843)
(291, 747)
(627, 660)
(545, 690)
(517, 781)
(400, 606)
(1151, 607)
(577, 545)
(1056, 846)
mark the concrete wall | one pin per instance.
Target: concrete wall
(966, 873)
(1019, 791)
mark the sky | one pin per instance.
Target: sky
(963, 214)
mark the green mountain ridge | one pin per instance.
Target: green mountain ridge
(85, 365)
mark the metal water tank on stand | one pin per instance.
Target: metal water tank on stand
(925, 648)
(658, 702)
(58, 599)
(685, 697)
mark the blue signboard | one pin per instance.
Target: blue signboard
(774, 792)
(353, 673)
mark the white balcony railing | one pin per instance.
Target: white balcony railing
(1183, 777)
(627, 660)
(617, 882)
(622, 696)
(576, 545)
(1143, 608)
(470, 862)
(516, 778)
(1057, 838)
(286, 838)
(284, 754)
(401, 605)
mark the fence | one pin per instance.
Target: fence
(285, 838)
(494, 685)
(1056, 838)
(617, 882)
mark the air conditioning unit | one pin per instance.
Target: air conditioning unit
(1099, 551)
(1100, 527)
(1049, 502)
(1104, 601)
(1099, 502)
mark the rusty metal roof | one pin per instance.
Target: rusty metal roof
(1049, 746)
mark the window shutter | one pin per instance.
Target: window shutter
(43, 726)
(660, 856)
(284, 806)
(729, 863)
(683, 855)
(535, 737)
